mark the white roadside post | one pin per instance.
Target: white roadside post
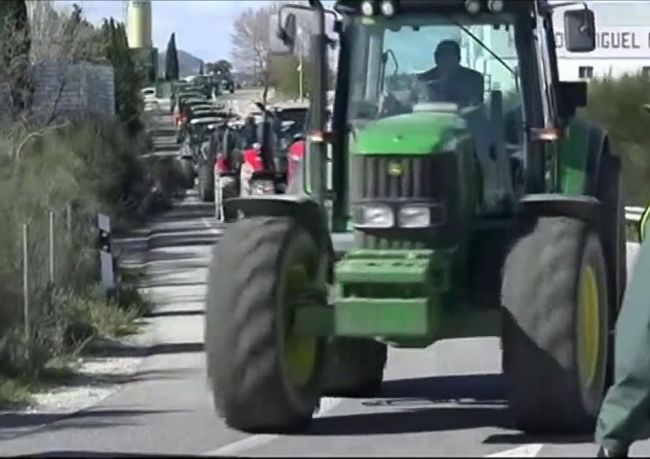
(106, 256)
(26, 314)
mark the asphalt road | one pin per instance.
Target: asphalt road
(446, 400)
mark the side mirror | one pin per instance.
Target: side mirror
(571, 95)
(580, 31)
(287, 32)
(283, 36)
(646, 107)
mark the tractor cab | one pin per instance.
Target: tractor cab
(200, 128)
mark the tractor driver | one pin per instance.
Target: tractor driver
(449, 81)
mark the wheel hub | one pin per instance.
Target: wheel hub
(588, 326)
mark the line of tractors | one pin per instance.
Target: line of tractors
(228, 155)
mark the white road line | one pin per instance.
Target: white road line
(531, 450)
(326, 404)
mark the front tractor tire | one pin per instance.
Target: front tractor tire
(264, 378)
(354, 367)
(187, 172)
(556, 326)
(206, 182)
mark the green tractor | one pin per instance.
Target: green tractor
(448, 216)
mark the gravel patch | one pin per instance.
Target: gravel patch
(96, 379)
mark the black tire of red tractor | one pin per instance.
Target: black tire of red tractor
(245, 363)
(540, 334)
(354, 367)
(230, 191)
(188, 173)
(206, 183)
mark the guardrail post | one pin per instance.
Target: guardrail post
(105, 253)
(26, 315)
(51, 249)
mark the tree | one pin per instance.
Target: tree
(222, 67)
(201, 69)
(285, 75)
(127, 78)
(62, 35)
(15, 44)
(172, 70)
(251, 42)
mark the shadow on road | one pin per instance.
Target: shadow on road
(481, 387)
(411, 421)
(175, 348)
(183, 241)
(117, 350)
(519, 438)
(11, 424)
(176, 313)
(187, 213)
(406, 407)
(99, 454)
(165, 283)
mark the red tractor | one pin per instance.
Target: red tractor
(227, 167)
(254, 157)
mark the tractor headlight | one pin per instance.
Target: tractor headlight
(368, 8)
(473, 6)
(262, 187)
(496, 6)
(420, 216)
(374, 216)
(387, 8)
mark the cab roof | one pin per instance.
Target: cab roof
(353, 7)
(206, 120)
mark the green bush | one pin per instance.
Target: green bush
(616, 104)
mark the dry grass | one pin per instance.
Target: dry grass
(75, 171)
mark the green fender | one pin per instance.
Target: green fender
(643, 224)
(580, 153)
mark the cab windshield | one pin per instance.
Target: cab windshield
(409, 62)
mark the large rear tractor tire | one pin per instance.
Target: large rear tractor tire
(206, 183)
(354, 367)
(555, 330)
(264, 378)
(613, 234)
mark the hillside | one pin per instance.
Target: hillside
(188, 64)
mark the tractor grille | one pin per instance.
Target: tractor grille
(423, 177)
(420, 178)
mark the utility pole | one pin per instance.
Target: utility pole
(301, 71)
(300, 78)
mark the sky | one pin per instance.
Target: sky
(202, 27)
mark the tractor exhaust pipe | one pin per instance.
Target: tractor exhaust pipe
(317, 153)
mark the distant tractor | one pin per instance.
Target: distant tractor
(448, 216)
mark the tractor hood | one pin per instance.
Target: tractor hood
(417, 133)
